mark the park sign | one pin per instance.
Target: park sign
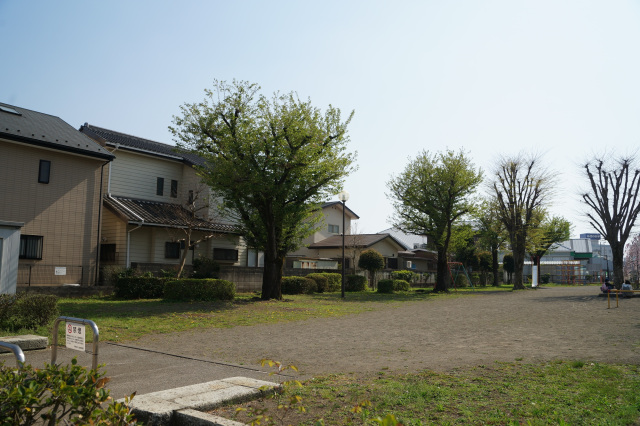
(596, 237)
(75, 337)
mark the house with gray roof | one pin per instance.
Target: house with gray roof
(153, 199)
(50, 181)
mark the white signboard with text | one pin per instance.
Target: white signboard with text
(75, 336)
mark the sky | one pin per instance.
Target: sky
(558, 79)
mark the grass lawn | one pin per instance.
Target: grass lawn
(559, 393)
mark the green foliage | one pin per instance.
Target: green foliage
(322, 282)
(143, 287)
(355, 283)
(545, 278)
(371, 260)
(27, 310)
(462, 281)
(298, 285)
(385, 286)
(272, 160)
(335, 281)
(403, 275)
(401, 285)
(204, 267)
(53, 393)
(508, 264)
(199, 289)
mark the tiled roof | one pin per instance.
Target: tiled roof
(136, 143)
(36, 128)
(356, 240)
(161, 214)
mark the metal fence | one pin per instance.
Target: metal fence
(49, 274)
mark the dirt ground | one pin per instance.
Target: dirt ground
(570, 323)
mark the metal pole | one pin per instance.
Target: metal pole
(343, 259)
(96, 338)
(17, 352)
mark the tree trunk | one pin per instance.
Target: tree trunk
(442, 271)
(272, 278)
(518, 267)
(495, 266)
(185, 252)
(617, 249)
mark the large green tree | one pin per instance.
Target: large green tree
(271, 160)
(491, 233)
(613, 203)
(521, 187)
(431, 195)
(552, 230)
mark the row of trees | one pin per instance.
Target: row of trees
(272, 161)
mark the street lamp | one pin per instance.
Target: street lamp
(606, 257)
(343, 196)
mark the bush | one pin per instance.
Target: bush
(462, 281)
(322, 283)
(51, 394)
(335, 281)
(401, 285)
(27, 310)
(298, 285)
(139, 287)
(403, 275)
(199, 289)
(545, 278)
(355, 283)
(204, 267)
(385, 286)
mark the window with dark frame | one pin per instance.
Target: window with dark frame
(31, 247)
(174, 188)
(44, 171)
(160, 186)
(334, 229)
(392, 262)
(107, 252)
(225, 254)
(172, 250)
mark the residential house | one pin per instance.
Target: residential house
(418, 255)
(152, 196)
(50, 181)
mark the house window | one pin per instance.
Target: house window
(44, 171)
(172, 250)
(392, 262)
(174, 188)
(160, 186)
(31, 247)
(191, 199)
(334, 229)
(107, 252)
(225, 254)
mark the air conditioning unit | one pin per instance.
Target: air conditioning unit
(409, 264)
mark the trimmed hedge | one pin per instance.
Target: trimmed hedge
(199, 289)
(355, 283)
(298, 285)
(322, 282)
(403, 275)
(335, 281)
(27, 310)
(401, 285)
(389, 286)
(139, 287)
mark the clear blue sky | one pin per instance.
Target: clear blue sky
(559, 78)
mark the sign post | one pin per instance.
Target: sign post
(75, 329)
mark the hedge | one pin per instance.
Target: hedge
(335, 281)
(139, 287)
(298, 285)
(403, 275)
(27, 310)
(355, 283)
(322, 282)
(385, 286)
(401, 285)
(199, 289)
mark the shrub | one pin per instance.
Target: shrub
(355, 283)
(335, 281)
(401, 285)
(199, 289)
(322, 283)
(371, 261)
(204, 267)
(403, 275)
(545, 278)
(385, 286)
(139, 287)
(51, 394)
(27, 310)
(298, 285)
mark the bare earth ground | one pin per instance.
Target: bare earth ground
(570, 323)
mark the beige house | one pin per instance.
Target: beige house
(152, 196)
(50, 177)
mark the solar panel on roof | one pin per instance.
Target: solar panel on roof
(8, 109)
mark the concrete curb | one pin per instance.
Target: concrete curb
(185, 405)
(27, 342)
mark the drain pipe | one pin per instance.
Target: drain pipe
(140, 223)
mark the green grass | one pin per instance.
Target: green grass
(515, 393)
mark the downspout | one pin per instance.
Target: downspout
(140, 223)
(100, 221)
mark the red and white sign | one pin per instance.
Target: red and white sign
(75, 336)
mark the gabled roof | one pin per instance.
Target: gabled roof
(356, 240)
(47, 131)
(409, 241)
(347, 209)
(155, 213)
(135, 143)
